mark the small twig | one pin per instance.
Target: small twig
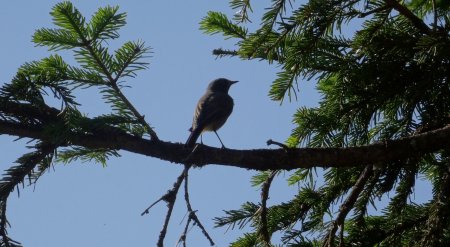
(348, 205)
(222, 53)
(264, 197)
(184, 235)
(192, 215)
(272, 142)
(147, 210)
(169, 196)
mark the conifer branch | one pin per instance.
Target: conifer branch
(439, 210)
(13, 177)
(398, 229)
(16, 174)
(88, 45)
(403, 10)
(113, 84)
(3, 223)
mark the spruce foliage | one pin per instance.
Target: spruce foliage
(387, 80)
(24, 98)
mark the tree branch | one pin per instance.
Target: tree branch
(264, 231)
(347, 206)
(170, 197)
(256, 159)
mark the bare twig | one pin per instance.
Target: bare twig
(162, 198)
(348, 205)
(170, 204)
(192, 214)
(185, 231)
(170, 198)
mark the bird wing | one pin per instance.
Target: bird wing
(212, 111)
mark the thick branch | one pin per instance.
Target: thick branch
(256, 159)
(109, 137)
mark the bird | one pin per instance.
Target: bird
(212, 111)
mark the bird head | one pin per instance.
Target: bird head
(220, 85)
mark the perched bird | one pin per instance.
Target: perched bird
(212, 111)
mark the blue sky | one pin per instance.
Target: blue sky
(85, 204)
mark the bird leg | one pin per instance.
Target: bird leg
(223, 146)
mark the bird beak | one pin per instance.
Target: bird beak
(233, 82)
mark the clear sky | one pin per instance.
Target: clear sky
(85, 204)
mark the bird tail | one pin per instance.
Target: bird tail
(193, 137)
